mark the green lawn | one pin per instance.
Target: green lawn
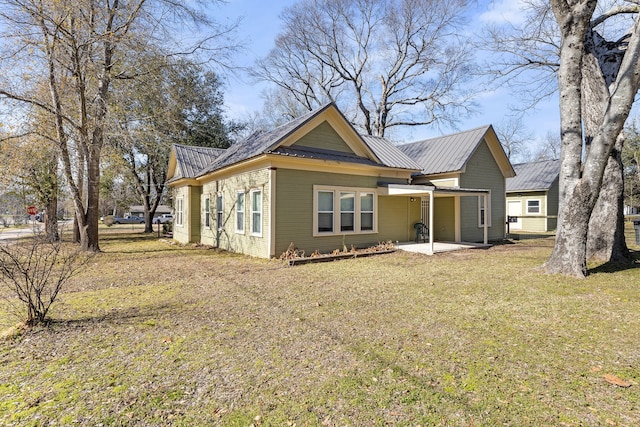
(158, 334)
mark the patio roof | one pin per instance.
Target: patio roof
(424, 190)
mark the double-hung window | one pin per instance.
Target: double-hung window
(533, 207)
(179, 211)
(219, 211)
(366, 211)
(207, 212)
(484, 212)
(325, 211)
(256, 212)
(342, 210)
(347, 211)
(240, 212)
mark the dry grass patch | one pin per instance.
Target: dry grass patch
(158, 334)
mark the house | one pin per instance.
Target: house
(468, 170)
(316, 183)
(138, 210)
(533, 196)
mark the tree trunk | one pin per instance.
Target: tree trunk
(51, 218)
(569, 252)
(606, 241)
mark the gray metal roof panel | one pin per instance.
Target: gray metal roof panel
(315, 153)
(448, 153)
(259, 142)
(389, 154)
(190, 159)
(534, 176)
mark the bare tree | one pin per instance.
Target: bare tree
(82, 48)
(514, 137)
(386, 63)
(581, 182)
(36, 272)
(549, 148)
(536, 51)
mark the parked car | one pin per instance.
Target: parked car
(128, 220)
(163, 219)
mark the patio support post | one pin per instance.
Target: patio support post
(486, 219)
(431, 230)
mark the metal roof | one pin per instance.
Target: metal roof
(534, 176)
(316, 153)
(389, 154)
(448, 153)
(259, 143)
(190, 159)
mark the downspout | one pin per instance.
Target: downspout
(271, 237)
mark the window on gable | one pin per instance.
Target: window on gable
(343, 210)
(256, 212)
(240, 212)
(533, 207)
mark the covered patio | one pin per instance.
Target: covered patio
(427, 194)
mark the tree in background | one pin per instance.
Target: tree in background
(534, 54)
(385, 63)
(175, 103)
(82, 48)
(514, 137)
(631, 161)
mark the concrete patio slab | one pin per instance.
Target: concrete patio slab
(439, 247)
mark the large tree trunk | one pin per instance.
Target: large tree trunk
(569, 252)
(605, 239)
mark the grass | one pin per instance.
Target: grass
(158, 334)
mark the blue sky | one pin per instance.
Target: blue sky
(260, 24)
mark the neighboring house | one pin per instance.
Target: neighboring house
(466, 168)
(533, 196)
(316, 183)
(138, 210)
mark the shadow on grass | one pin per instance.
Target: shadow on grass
(131, 315)
(613, 267)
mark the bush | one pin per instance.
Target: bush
(35, 273)
(108, 220)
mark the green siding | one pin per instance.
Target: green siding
(294, 212)
(444, 219)
(482, 172)
(324, 137)
(188, 232)
(226, 237)
(539, 222)
(553, 200)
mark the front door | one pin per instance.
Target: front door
(515, 214)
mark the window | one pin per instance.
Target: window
(256, 212)
(207, 212)
(219, 212)
(240, 212)
(484, 212)
(533, 206)
(341, 210)
(325, 211)
(347, 211)
(179, 211)
(366, 211)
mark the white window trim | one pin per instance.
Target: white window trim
(539, 207)
(487, 209)
(180, 211)
(336, 210)
(243, 211)
(251, 193)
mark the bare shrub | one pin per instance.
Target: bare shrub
(36, 271)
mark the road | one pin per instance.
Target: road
(14, 233)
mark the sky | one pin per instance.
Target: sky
(260, 24)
